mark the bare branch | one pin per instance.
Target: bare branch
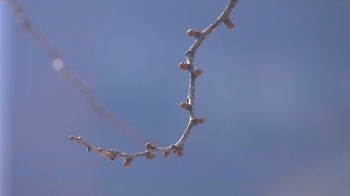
(112, 154)
(195, 73)
(59, 65)
(188, 105)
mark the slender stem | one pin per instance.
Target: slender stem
(112, 154)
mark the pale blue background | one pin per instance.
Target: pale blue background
(275, 94)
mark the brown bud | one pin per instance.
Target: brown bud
(100, 149)
(229, 24)
(151, 156)
(126, 163)
(197, 73)
(149, 146)
(88, 148)
(184, 66)
(185, 105)
(193, 33)
(200, 120)
(180, 152)
(72, 137)
(166, 154)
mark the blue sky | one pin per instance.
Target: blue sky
(274, 93)
(4, 98)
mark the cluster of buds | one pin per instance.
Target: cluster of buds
(229, 24)
(193, 33)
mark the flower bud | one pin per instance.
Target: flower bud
(126, 163)
(72, 138)
(229, 24)
(166, 154)
(180, 152)
(197, 73)
(151, 156)
(193, 33)
(200, 120)
(184, 66)
(185, 105)
(149, 146)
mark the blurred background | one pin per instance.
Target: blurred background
(274, 92)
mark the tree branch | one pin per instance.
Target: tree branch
(60, 65)
(188, 105)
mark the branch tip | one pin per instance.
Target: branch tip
(72, 138)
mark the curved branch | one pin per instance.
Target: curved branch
(188, 105)
(59, 65)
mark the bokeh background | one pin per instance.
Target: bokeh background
(275, 95)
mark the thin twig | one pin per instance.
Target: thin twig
(112, 154)
(190, 60)
(188, 105)
(59, 65)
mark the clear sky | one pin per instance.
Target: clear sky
(274, 92)
(4, 98)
